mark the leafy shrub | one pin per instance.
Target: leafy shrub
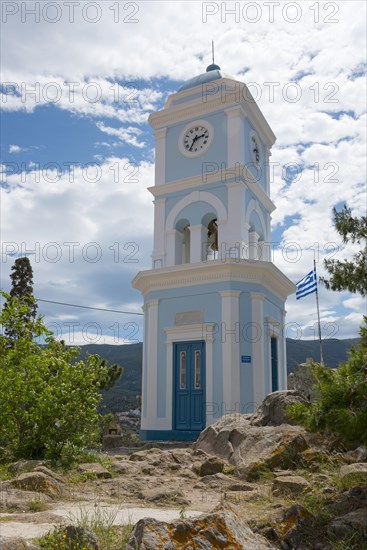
(342, 406)
(48, 400)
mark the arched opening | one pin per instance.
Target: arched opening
(186, 245)
(212, 242)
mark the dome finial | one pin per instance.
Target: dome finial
(213, 66)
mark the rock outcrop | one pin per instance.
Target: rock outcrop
(37, 482)
(273, 410)
(234, 438)
(221, 529)
(303, 381)
(354, 474)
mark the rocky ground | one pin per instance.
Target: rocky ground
(250, 481)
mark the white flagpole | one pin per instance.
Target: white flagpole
(318, 315)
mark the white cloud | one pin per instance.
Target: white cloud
(15, 149)
(115, 68)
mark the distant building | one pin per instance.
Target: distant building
(213, 301)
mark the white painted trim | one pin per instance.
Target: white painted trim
(194, 197)
(202, 331)
(200, 122)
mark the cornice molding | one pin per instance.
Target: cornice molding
(216, 271)
(243, 177)
(172, 114)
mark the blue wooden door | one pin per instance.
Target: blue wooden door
(274, 364)
(189, 386)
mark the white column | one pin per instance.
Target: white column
(174, 241)
(258, 337)
(230, 338)
(152, 364)
(160, 156)
(159, 217)
(198, 235)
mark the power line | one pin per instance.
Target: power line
(89, 307)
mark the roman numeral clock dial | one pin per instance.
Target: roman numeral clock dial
(195, 139)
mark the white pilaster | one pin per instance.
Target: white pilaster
(158, 252)
(235, 136)
(257, 306)
(230, 339)
(152, 363)
(160, 156)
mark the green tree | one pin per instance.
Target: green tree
(346, 274)
(48, 399)
(113, 373)
(342, 405)
(22, 288)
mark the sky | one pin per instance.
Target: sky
(79, 81)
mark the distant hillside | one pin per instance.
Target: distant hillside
(123, 395)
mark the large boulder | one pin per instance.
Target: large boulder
(220, 529)
(290, 485)
(304, 381)
(349, 524)
(234, 438)
(273, 410)
(37, 482)
(353, 474)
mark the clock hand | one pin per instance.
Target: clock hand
(195, 139)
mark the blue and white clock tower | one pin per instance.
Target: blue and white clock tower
(214, 310)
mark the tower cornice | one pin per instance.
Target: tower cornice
(188, 275)
(228, 93)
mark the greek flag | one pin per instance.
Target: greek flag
(307, 285)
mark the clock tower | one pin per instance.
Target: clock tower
(214, 312)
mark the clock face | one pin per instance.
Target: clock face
(255, 148)
(196, 139)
